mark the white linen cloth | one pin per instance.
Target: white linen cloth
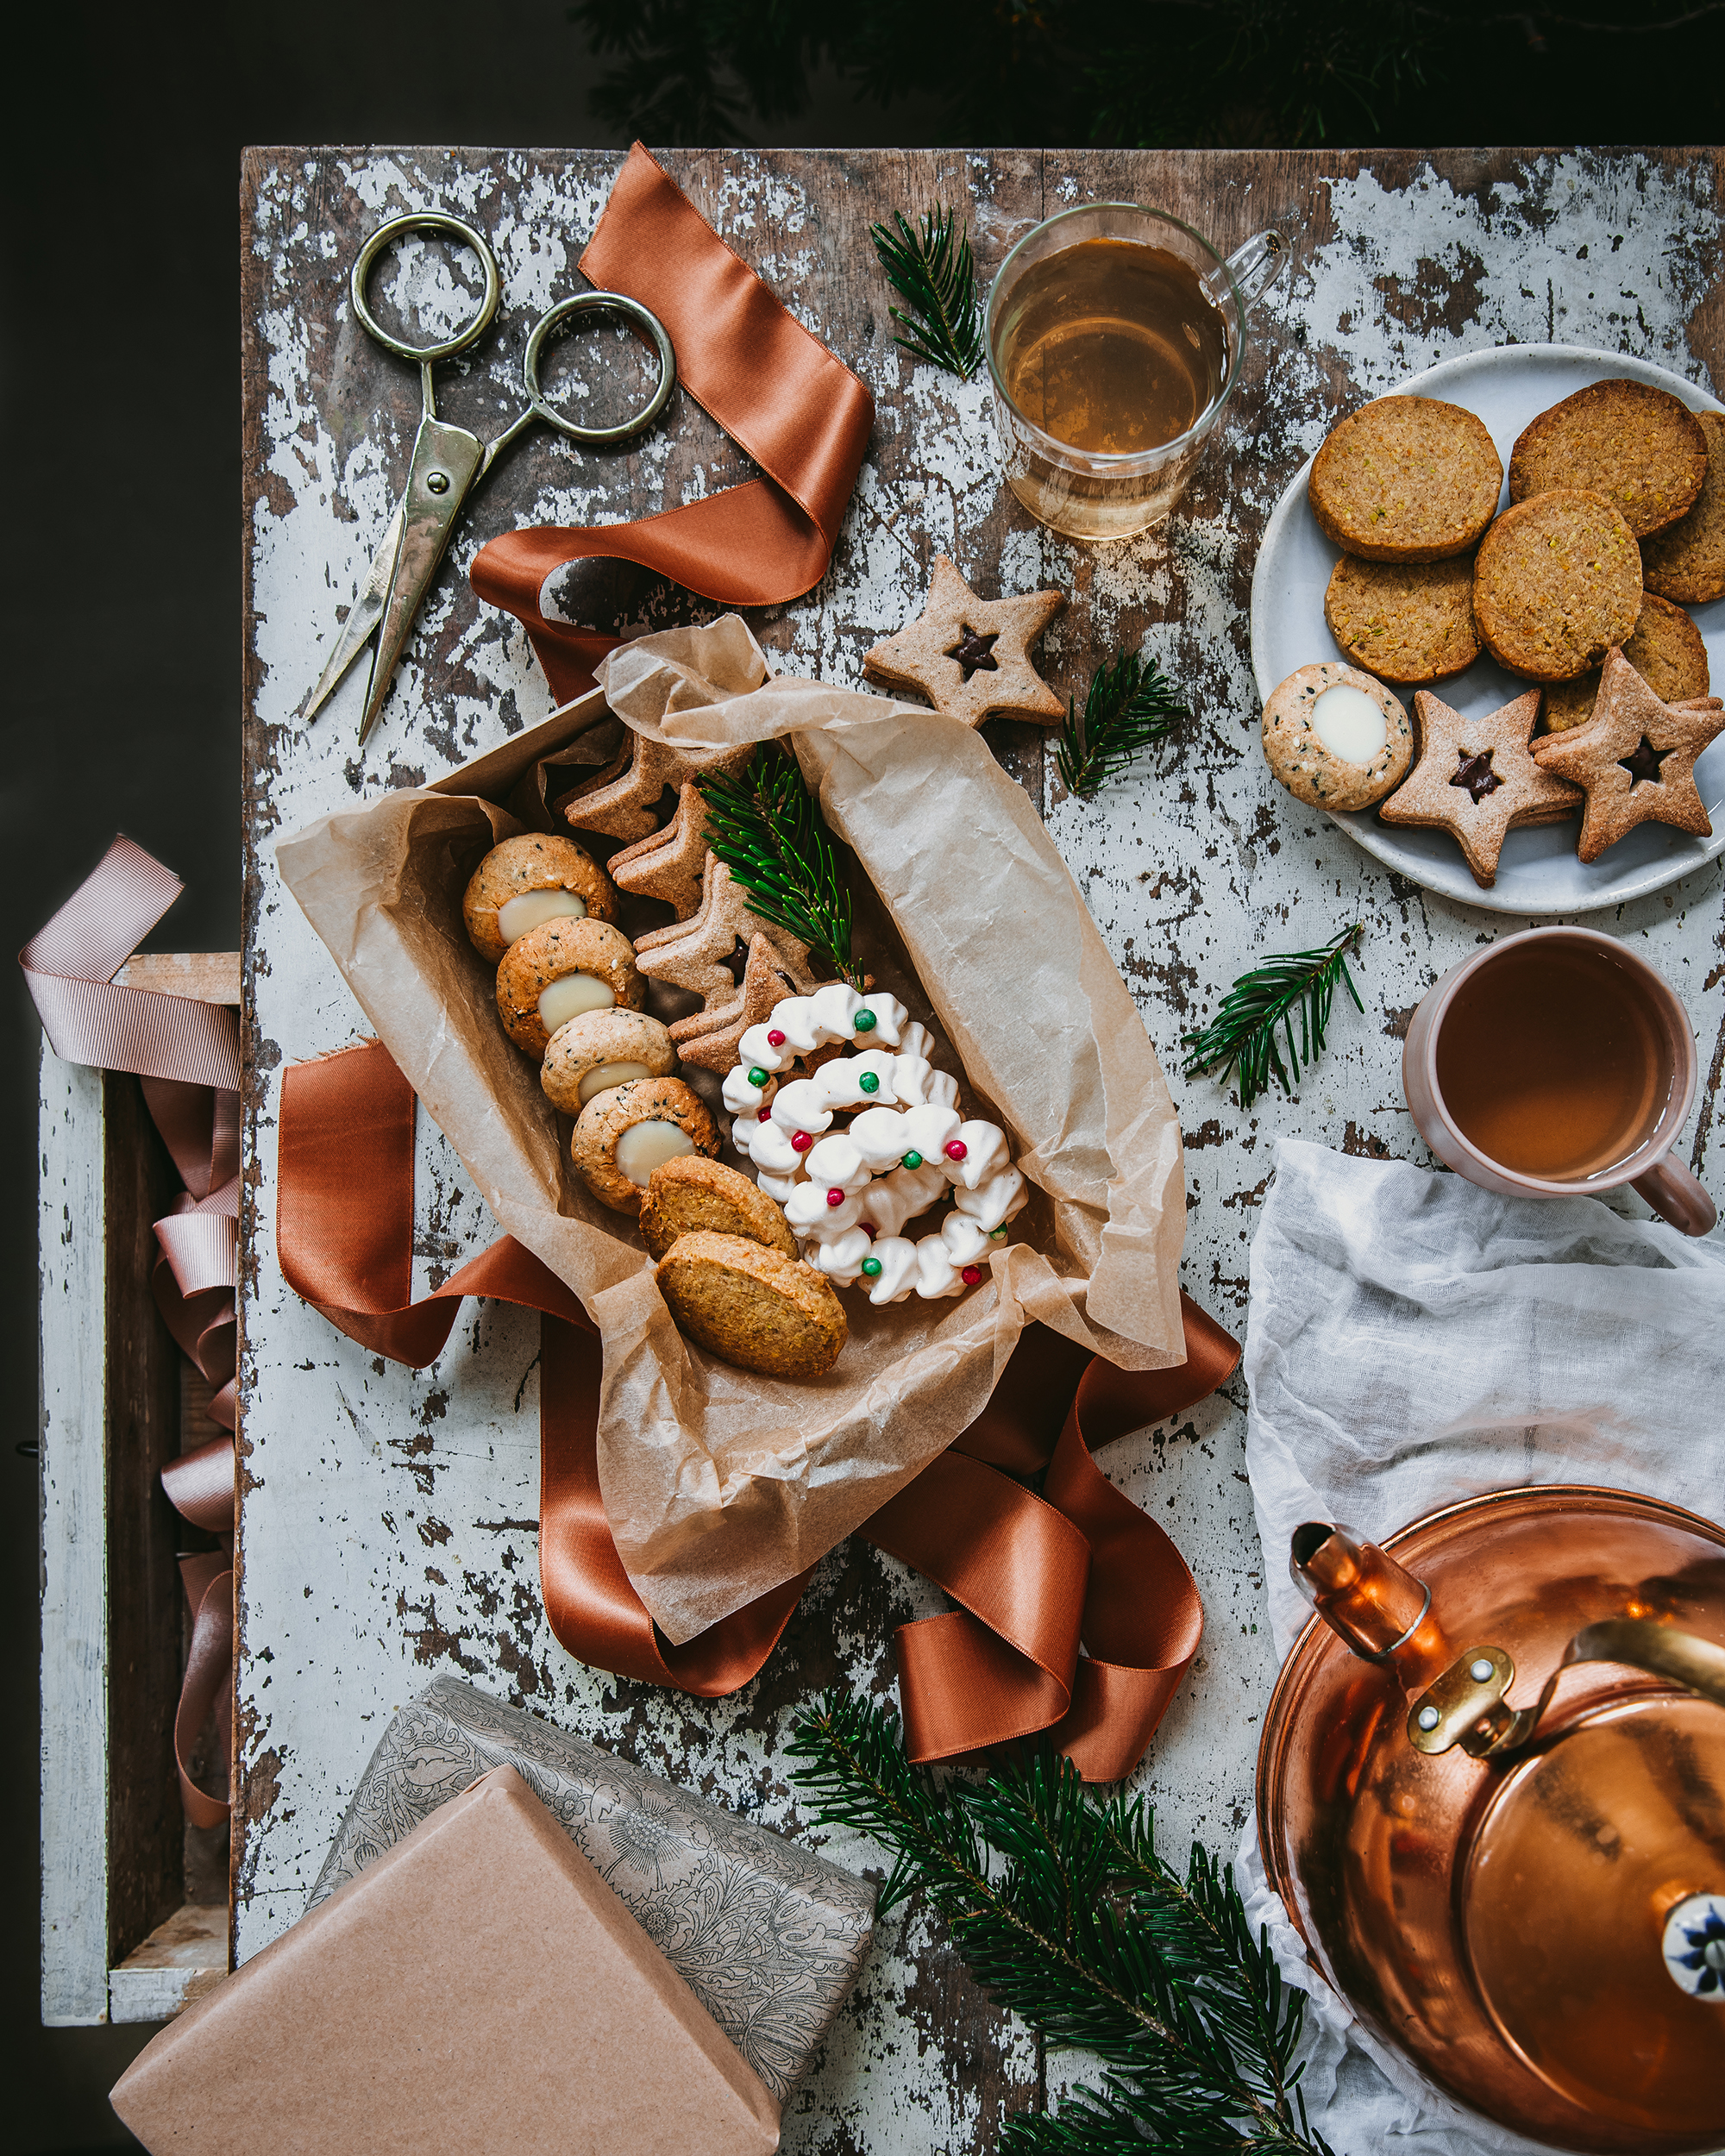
(1412, 1340)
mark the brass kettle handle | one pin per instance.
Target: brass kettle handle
(1466, 1706)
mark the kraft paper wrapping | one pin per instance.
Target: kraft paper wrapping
(720, 1484)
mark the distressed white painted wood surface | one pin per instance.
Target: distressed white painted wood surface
(388, 1525)
(74, 1654)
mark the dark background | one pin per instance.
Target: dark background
(120, 350)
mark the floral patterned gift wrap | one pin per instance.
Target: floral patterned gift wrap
(768, 1938)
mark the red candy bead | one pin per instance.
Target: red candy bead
(835, 1197)
(956, 1149)
(867, 1228)
(776, 1039)
(971, 1275)
(763, 1115)
(801, 1141)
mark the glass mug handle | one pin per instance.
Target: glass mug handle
(1254, 269)
(1675, 1196)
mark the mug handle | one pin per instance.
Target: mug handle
(1255, 267)
(1675, 1196)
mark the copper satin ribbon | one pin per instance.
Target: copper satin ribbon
(1035, 1576)
(186, 1056)
(771, 386)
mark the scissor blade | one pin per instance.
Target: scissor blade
(362, 618)
(446, 461)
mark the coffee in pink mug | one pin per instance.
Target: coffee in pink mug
(1557, 1064)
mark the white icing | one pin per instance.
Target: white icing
(738, 1094)
(1350, 723)
(878, 1134)
(811, 1216)
(795, 1018)
(516, 916)
(836, 1164)
(743, 1129)
(568, 998)
(891, 1200)
(890, 1016)
(645, 1146)
(842, 1259)
(936, 1273)
(898, 1264)
(833, 1008)
(920, 1086)
(759, 1054)
(995, 1202)
(915, 1039)
(799, 1107)
(985, 1154)
(770, 1146)
(927, 1129)
(966, 1240)
(842, 1081)
(603, 1076)
(777, 1187)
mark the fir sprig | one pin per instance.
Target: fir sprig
(932, 269)
(1243, 1036)
(1130, 704)
(769, 831)
(1065, 1911)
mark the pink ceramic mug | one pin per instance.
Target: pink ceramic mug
(1667, 1081)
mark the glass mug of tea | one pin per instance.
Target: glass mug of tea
(1114, 338)
(1557, 1064)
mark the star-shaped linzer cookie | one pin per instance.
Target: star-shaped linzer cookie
(708, 953)
(1635, 758)
(632, 805)
(669, 864)
(712, 1039)
(1476, 780)
(970, 657)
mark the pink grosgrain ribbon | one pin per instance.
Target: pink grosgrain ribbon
(186, 1056)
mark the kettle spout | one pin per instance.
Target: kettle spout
(1381, 1612)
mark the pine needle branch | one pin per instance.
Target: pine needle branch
(933, 271)
(1130, 704)
(768, 831)
(1259, 1012)
(1064, 1910)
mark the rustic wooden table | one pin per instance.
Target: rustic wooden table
(387, 1529)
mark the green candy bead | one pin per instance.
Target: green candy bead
(865, 1022)
(997, 1235)
(757, 1077)
(871, 1266)
(869, 1082)
(911, 1160)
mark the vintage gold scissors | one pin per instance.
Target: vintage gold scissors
(449, 462)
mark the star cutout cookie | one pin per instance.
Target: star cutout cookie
(970, 657)
(1476, 780)
(712, 1039)
(1635, 758)
(669, 864)
(708, 953)
(631, 805)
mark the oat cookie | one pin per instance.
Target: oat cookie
(1359, 762)
(1406, 478)
(602, 1048)
(752, 1307)
(1686, 560)
(1667, 650)
(1636, 757)
(970, 657)
(691, 1194)
(623, 1134)
(1405, 622)
(1556, 583)
(1475, 779)
(529, 880)
(597, 960)
(1635, 446)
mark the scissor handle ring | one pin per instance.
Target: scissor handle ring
(643, 321)
(454, 227)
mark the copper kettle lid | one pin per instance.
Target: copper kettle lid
(1544, 1930)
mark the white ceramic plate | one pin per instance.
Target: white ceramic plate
(1537, 872)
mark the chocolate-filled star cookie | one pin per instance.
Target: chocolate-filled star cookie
(1635, 758)
(1475, 779)
(970, 657)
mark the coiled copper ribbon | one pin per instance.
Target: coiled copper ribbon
(186, 1056)
(1035, 1577)
(771, 386)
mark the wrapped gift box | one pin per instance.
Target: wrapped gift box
(476, 1986)
(768, 1938)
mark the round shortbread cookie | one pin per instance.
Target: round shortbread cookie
(1667, 650)
(1635, 446)
(602, 1049)
(1686, 560)
(1557, 582)
(616, 1165)
(522, 868)
(557, 951)
(1409, 621)
(1359, 762)
(751, 1306)
(1406, 478)
(691, 1195)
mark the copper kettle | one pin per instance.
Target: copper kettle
(1529, 1899)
